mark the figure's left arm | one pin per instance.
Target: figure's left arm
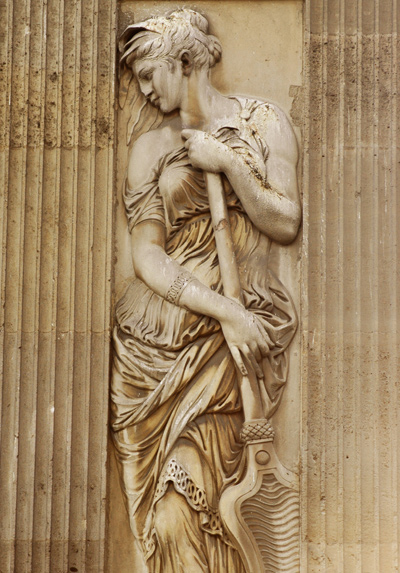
(271, 202)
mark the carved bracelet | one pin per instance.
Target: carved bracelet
(176, 287)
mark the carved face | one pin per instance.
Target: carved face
(160, 82)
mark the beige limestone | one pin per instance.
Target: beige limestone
(350, 277)
(56, 173)
(55, 55)
(239, 75)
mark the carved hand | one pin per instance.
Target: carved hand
(246, 339)
(205, 151)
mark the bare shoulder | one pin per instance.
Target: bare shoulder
(274, 127)
(148, 149)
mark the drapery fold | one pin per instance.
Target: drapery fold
(176, 407)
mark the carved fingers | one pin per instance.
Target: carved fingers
(243, 355)
(205, 151)
(264, 342)
(247, 340)
(237, 357)
(250, 356)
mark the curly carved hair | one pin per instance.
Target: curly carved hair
(164, 37)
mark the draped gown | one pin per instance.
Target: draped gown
(176, 407)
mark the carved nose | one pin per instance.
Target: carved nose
(147, 90)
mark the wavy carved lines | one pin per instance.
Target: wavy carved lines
(272, 515)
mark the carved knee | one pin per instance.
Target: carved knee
(171, 511)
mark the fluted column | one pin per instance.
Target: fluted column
(57, 62)
(57, 79)
(350, 313)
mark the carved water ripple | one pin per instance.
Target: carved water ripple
(273, 518)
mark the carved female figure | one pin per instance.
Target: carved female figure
(180, 344)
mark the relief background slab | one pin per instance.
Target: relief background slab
(262, 57)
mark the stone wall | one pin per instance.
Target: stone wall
(57, 77)
(57, 93)
(350, 263)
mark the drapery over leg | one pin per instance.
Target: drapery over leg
(185, 547)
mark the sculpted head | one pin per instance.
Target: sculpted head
(161, 51)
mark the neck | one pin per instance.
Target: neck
(201, 102)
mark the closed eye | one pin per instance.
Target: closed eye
(146, 75)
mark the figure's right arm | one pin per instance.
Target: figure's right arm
(150, 261)
(246, 339)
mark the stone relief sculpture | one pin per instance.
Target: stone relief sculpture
(200, 345)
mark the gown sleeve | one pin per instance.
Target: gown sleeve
(144, 203)
(244, 136)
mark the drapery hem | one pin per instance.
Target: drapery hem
(211, 522)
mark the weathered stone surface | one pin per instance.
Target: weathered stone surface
(57, 78)
(254, 71)
(56, 175)
(350, 274)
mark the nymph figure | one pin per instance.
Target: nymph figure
(180, 344)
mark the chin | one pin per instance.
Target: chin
(165, 108)
(161, 106)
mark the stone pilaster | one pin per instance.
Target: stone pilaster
(350, 279)
(57, 64)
